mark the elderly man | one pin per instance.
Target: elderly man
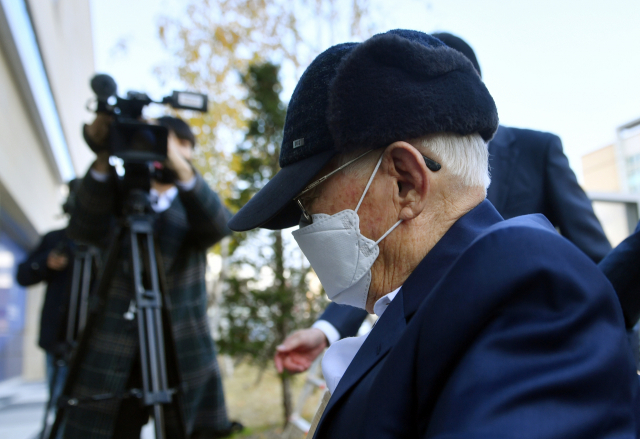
(488, 327)
(529, 174)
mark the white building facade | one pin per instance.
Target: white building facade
(46, 61)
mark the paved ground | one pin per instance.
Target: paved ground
(22, 408)
(253, 398)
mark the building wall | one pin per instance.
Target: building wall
(611, 175)
(631, 150)
(33, 360)
(31, 188)
(613, 217)
(600, 170)
(25, 171)
(63, 28)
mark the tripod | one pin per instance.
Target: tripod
(85, 261)
(154, 330)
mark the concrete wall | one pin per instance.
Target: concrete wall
(63, 29)
(600, 170)
(33, 360)
(25, 172)
(28, 174)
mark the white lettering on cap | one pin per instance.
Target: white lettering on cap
(298, 143)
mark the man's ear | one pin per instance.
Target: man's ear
(412, 176)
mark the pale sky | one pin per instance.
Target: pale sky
(571, 67)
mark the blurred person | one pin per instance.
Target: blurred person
(488, 327)
(190, 219)
(622, 268)
(529, 174)
(50, 262)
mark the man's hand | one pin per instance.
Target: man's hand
(178, 154)
(298, 350)
(57, 261)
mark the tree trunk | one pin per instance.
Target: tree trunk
(278, 256)
(285, 305)
(287, 403)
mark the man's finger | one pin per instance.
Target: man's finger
(290, 343)
(278, 361)
(296, 364)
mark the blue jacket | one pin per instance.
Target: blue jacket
(504, 330)
(622, 268)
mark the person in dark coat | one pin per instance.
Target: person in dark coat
(622, 268)
(529, 174)
(49, 263)
(190, 218)
(488, 328)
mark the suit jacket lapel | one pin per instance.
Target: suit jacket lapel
(502, 159)
(393, 322)
(382, 338)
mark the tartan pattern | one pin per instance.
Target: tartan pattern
(195, 221)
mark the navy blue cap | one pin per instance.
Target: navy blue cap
(399, 85)
(307, 146)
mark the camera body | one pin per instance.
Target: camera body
(131, 139)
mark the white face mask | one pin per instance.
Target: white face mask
(340, 255)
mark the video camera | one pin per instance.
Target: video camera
(131, 139)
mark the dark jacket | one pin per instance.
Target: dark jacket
(504, 330)
(529, 174)
(53, 320)
(622, 268)
(195, 221)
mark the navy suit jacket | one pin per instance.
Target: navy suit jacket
(504, 330)
(529, 174)
(622, 268)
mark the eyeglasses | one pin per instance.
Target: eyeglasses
(431, 164)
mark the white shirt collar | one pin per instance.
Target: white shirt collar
(381, 304)
(341, 353)
(161, 202)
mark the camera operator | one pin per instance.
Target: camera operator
(189, 219)
(50, 263)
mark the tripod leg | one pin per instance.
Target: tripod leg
(87, 269)
(52, 387)
(75, 362)
(149, 303)
(73, 300)
(70, 335)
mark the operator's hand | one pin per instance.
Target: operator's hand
(298, 350)
(57, 261)
(179, 153)
(97, 132)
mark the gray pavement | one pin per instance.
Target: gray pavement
(22, 405)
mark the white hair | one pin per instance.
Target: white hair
(464, 157)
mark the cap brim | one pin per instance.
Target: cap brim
(273, 206)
